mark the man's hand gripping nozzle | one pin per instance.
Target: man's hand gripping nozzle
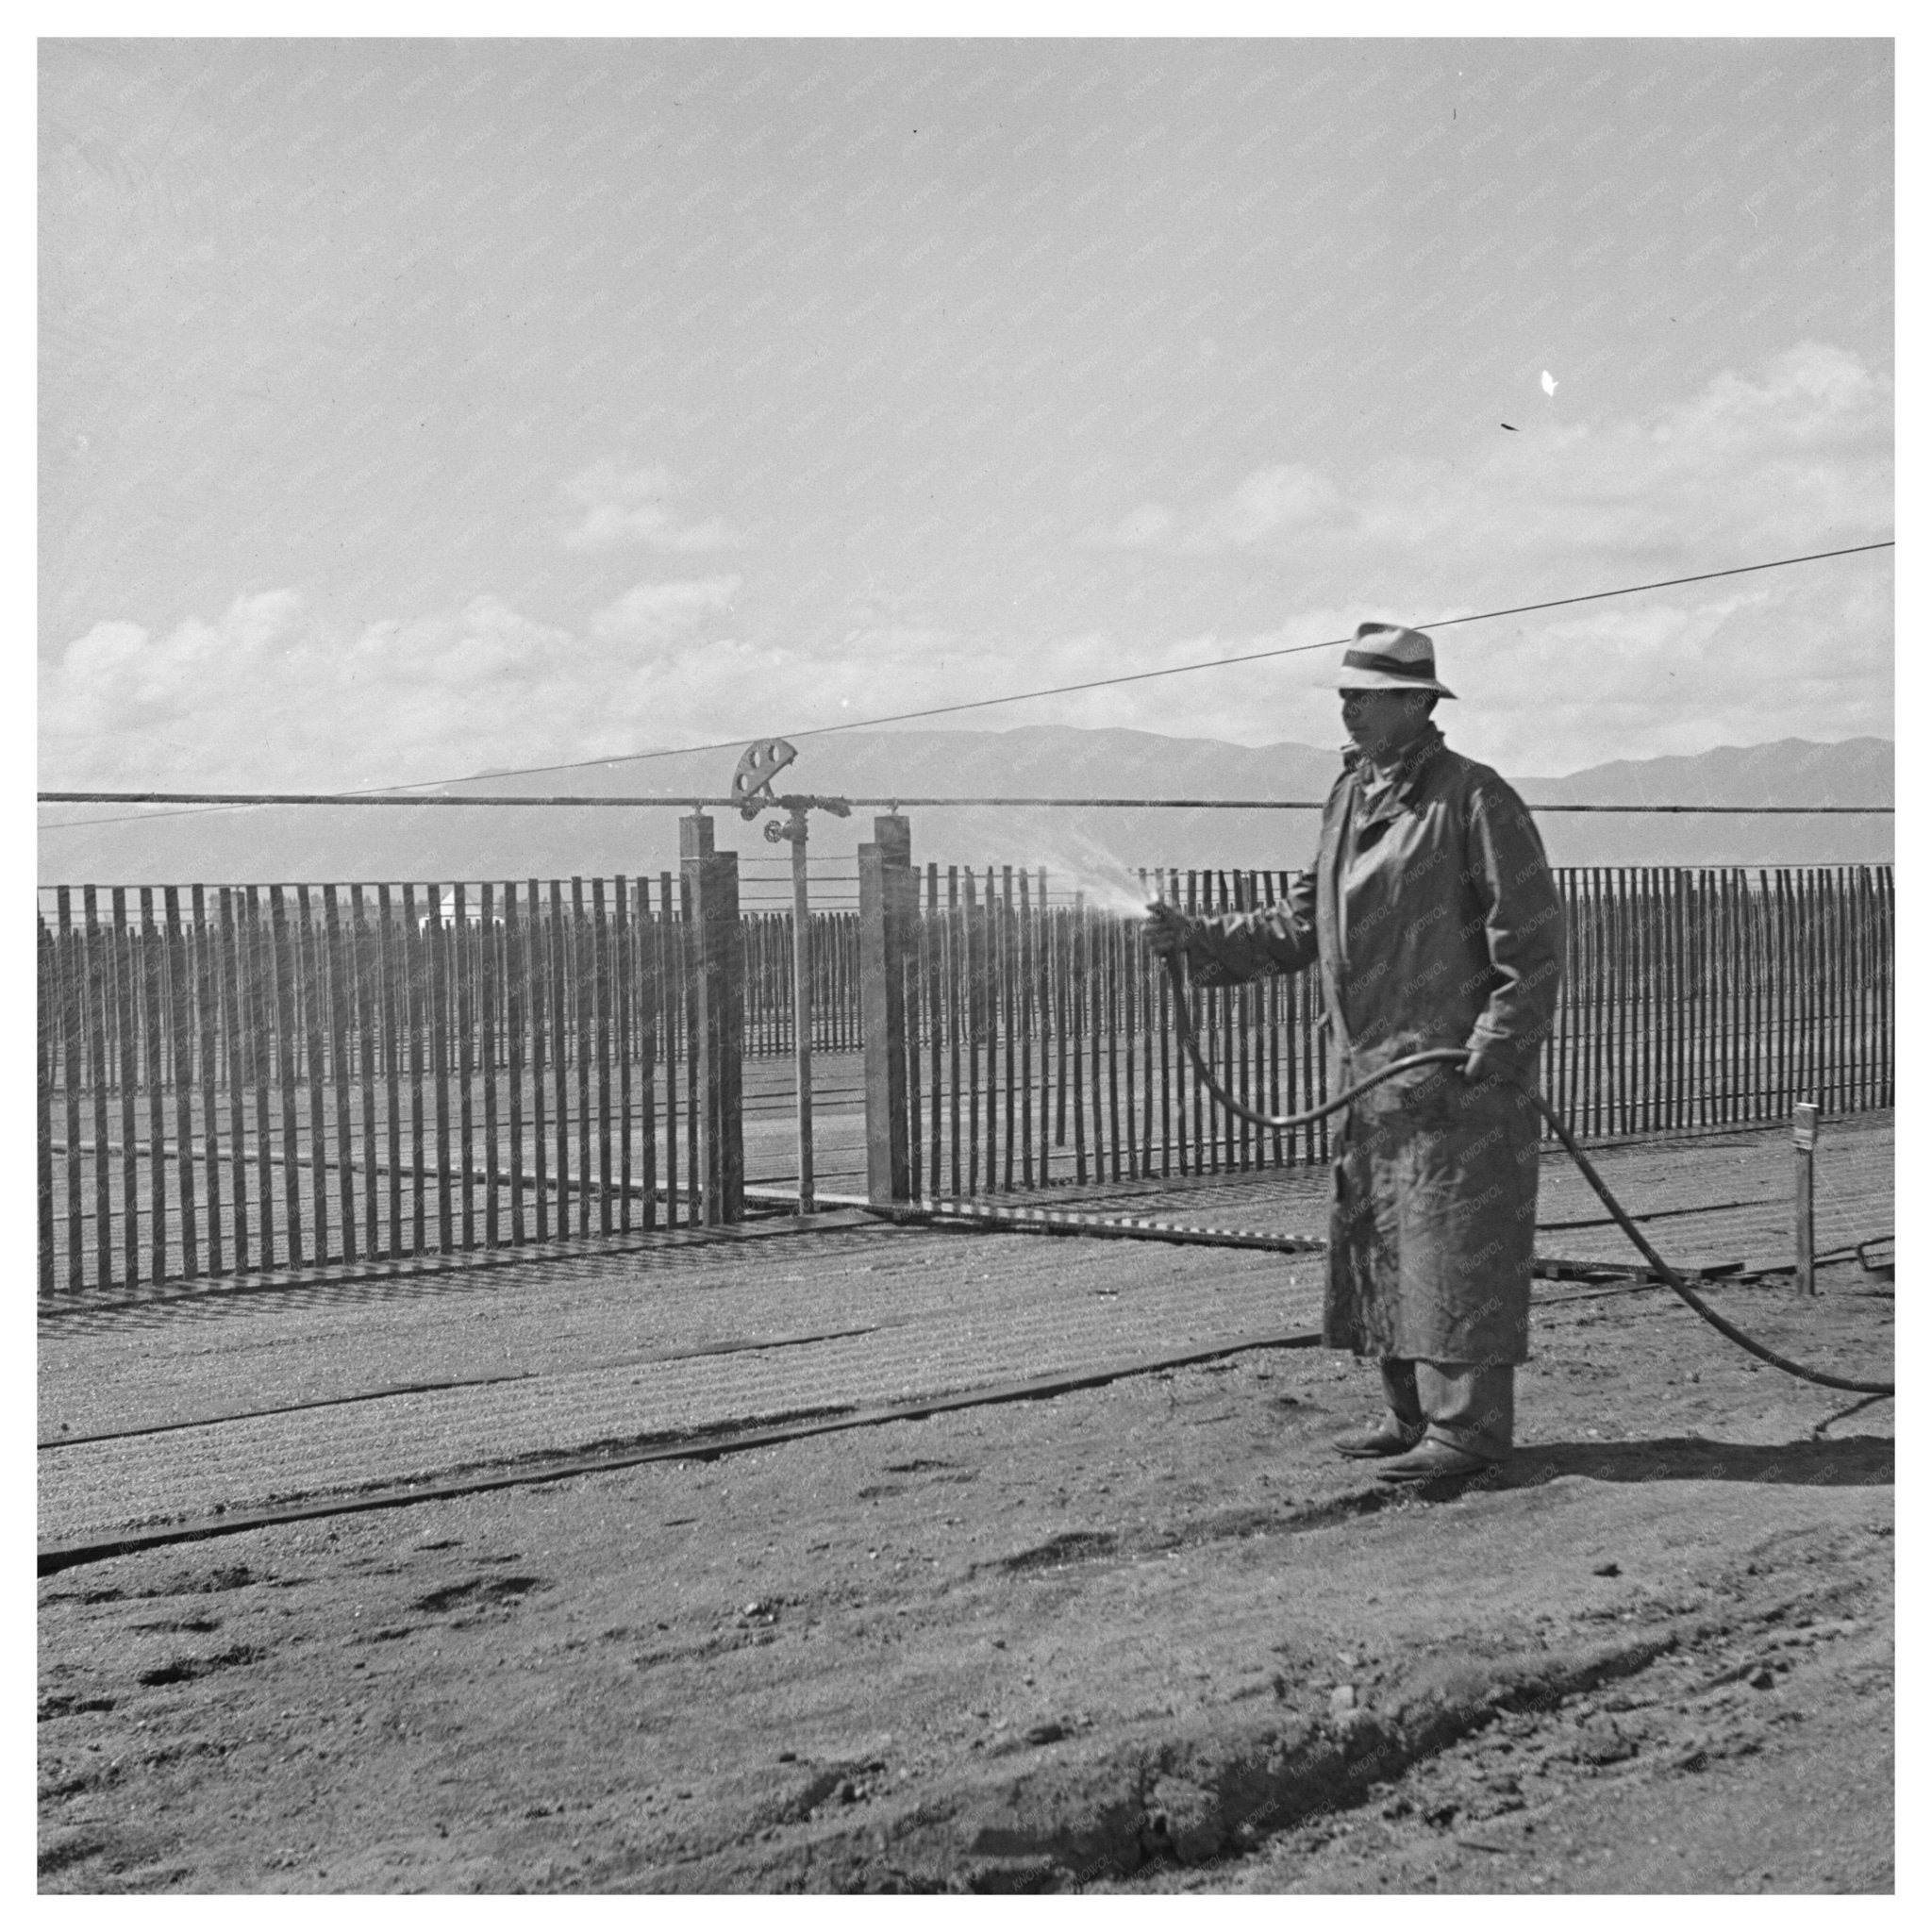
(1167, 932)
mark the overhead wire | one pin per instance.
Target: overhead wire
(1026, 696)
(959, 801)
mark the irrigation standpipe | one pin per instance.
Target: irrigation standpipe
(1457, 1057)
(750, 791)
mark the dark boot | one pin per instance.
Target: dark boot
(1433, 1460)
(1388, 1438)
(1402, 1427)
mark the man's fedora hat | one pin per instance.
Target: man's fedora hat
(1385, 657)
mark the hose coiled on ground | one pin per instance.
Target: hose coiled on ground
(1449, 1056)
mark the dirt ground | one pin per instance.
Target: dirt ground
(1150, 1636)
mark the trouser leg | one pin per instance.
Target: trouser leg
(1471, 1406)
(1399, 1391)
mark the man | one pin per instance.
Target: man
(1434, 923)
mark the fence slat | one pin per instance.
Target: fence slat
(1843, 958)
(690, 964)
(536, 980)
(488, 962)
(282, 951)
(514, 1022)
(1078, 937)
(414, 939)
(1780, 980)
(622, 995)
(463, 952)
(362, 1019)
(1110, 1016)
(671, 1008)
(971, 948)
(1144, 968)
(250, 984)
(650, 999)
(912, 999)
(1811, 977)
(309, 994)
(990, 1022)
(1863, 981)
(208, 1027)
(389, 969)
(1013, 1023)
(600, 1023)
(1026, 1019)
(93, 941)
(338, 1071)
(929, 952)
(1616, 910)
(45, 1014)
(121, 997)
(439, 958)
(68, 1001)
(557, 993)
(1743, 939)
(153, 973)
(1705, 1018)
(955, 979)
(580, 997)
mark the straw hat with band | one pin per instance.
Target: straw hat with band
(1385, 657)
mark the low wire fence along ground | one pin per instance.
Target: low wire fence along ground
(240, 1079)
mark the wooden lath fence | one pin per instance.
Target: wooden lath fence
(1043, 1044)
(240, 1079)
(1040, 1044)
(245, 1079)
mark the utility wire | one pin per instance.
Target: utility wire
(645, 800)
(1017, 697)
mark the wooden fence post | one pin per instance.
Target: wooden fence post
(887, 907)
(45, 1087)
(718, 1016)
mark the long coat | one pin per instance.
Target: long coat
(1434, 923)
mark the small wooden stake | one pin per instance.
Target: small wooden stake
(1804, 1139)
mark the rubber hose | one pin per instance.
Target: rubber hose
(1459, 1057)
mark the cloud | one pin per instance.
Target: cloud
(1795, 454)
(1284, 499)
(1277, 501)
(655, 613)
(624, 507)
(271, 696)
(1746, 662)
(1789, 456)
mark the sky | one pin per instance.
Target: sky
(411, 409)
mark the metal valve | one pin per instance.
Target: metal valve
(751, 784)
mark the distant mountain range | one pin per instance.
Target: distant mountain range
(322, 843)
